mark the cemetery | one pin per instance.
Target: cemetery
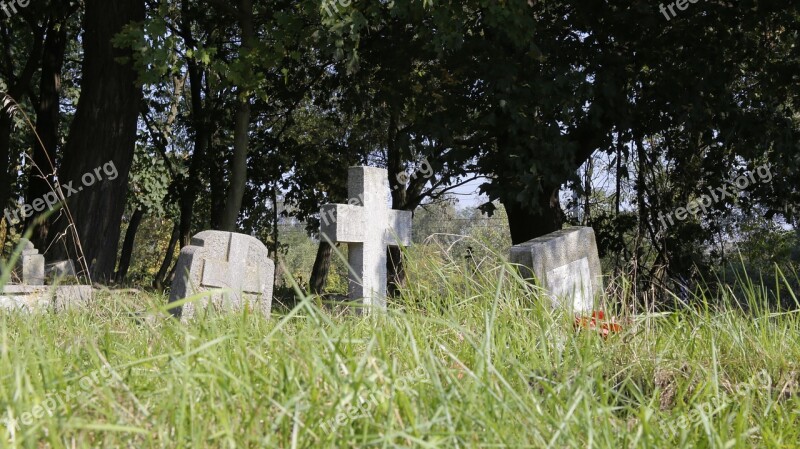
(402, 224)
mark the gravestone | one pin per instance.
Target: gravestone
(369, 227)
(45, 297)
(566, 264)
(217, 260)
(62, 268)
(32, 264)
(32, 294)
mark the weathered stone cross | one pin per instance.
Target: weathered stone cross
(234, 272)
(217, 259)
(368, 226)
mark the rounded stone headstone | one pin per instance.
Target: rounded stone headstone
(224, 270)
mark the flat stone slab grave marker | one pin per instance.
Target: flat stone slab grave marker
(566, 264)
(44, 297)
(32, 294)
(368, 226)
(223, 260)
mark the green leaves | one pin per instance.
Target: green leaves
(150, 181)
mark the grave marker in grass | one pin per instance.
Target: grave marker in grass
(368, 226)
(566, 265)
(233, 262)
(32, 294)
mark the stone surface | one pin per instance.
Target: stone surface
(33, 295)
(61, 268)
(217, 260)
(368, 226)
(27, 247)
(40, 298)
(32, 264)
(566, 264)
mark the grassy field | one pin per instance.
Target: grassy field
(463, 359)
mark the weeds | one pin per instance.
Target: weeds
(464, 358)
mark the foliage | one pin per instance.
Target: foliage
(521, 92)
(151, 244)
(149, 182)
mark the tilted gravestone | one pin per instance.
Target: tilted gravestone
(61, 268)
(566, 264)
(368, 226)
(215, 260)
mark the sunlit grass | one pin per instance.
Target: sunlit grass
(466, 358)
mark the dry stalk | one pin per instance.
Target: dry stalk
(11, 106)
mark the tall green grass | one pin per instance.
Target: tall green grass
(467, 357)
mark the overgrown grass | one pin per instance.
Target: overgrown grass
(466, 358)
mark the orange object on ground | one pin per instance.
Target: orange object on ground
(598, 323)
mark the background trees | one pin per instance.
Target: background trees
(252, 111)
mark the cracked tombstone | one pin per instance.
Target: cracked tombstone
(566, 265)
(369, 227)
(216, 260)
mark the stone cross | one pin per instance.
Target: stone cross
(566, 264)
(223, 260)
(368, 226)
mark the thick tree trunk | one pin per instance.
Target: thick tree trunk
(103, 132)
(322, 266)
(527, 225)
(127, 245)
(48, 117)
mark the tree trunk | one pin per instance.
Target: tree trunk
(201, 138)
(17, 90)
(158, 282)
(275, 222)
(199, 117)
(127, 245)
(322, 266)
(103, 132)
(48, 117)
(587, 193)
(5, 162)
(395, 271)
(241, 132)
(233, 203)
(527, 225)
(216, 184)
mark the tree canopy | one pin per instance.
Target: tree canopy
(239, 114)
